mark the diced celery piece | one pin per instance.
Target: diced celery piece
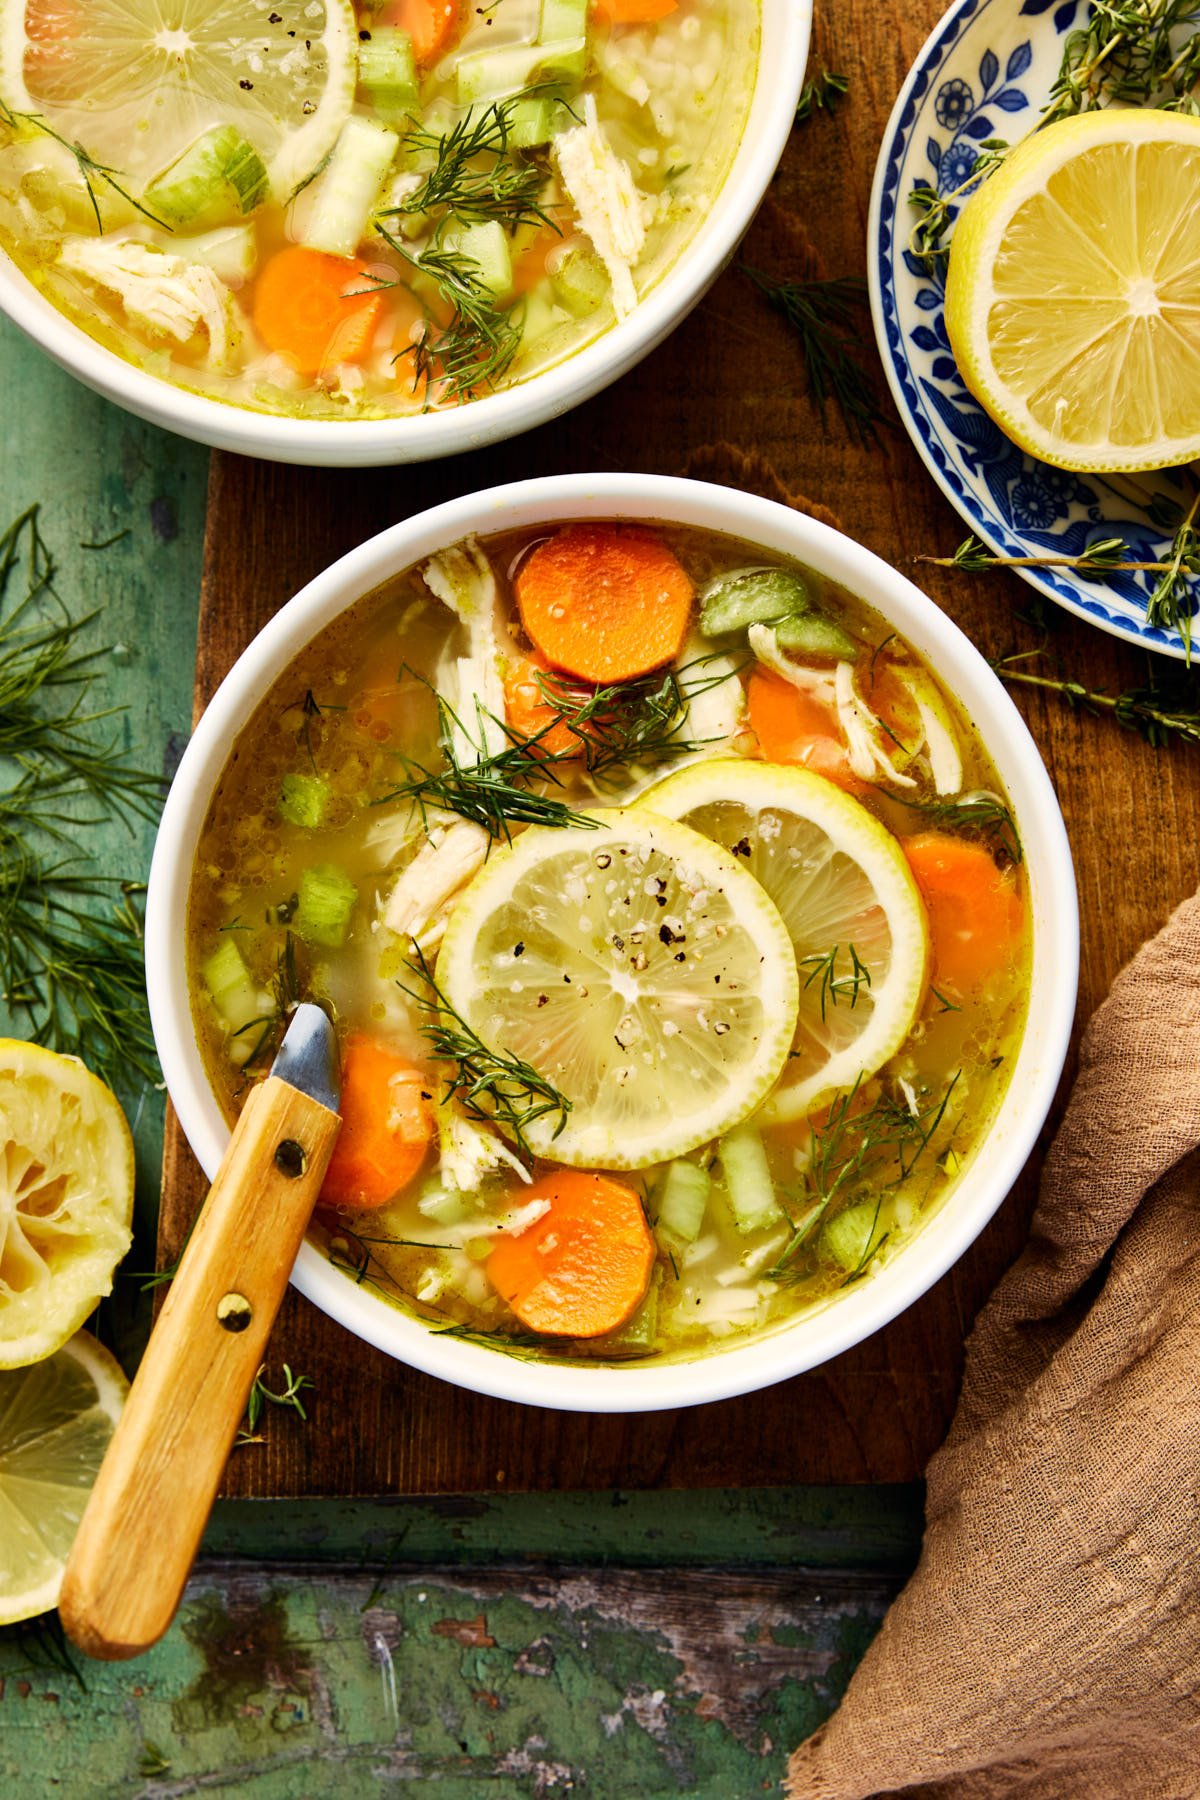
(579, 280)
(562, 19)
(387, 72)
(333, 212)
(851, 1237)
(682, 1200)
(323, 909)
(229, 251)
(811, 634)
(748, 1180)
(444, 1205)
(639, 1332)
(537, 317)
(218, 176)
(231, 985)
(487, 247)
(751, 597)
(536, 118)
(495, 74)
(303, 800)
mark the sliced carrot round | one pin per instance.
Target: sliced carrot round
(632, 12)
(316, 310)
(975, 912)
(528, 712)
(387, 1124)
(605, 602)
(793, 727)
(582, 1269)
(433, 25)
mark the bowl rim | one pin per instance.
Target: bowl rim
(348, 443)
(820, 1334)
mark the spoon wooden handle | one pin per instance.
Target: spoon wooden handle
(147, 1512)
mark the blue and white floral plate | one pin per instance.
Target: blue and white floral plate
(986, 72)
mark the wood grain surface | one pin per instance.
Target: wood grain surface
(731, 375)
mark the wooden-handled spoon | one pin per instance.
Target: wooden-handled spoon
(144, 1520)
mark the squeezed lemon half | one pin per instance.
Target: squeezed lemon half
(640, 969)
(1073, 297)
(847, 897)
(56, 1420)
(66, 1198)
(135, 82)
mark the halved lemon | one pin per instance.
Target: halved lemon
(1073, 298)
(56, 1420)
(66, 1198)
(135, 82)
(847, 897)
(639, 969)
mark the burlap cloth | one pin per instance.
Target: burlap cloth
(1048, 1645)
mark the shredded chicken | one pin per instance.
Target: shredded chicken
(867, 756)
(159, 290)
(443, 865)
(945, 763)
(817, 682)
(470, 1151)
(462, 579)
(606, 199)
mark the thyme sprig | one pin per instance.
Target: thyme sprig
(822, 315)
(494, 1087)
(90, 170)
(1171, 600)
(1128, 53)
(821, 94)
(879, 1145)
(261, 1395)
(1163, 709)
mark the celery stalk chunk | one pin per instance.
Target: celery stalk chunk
(326, 900)
(536, 118)
(495, 74)
(811, 634)
(562, 19)
(228, 980)
(579, 280)
(748, 1183)
(851, 1237)
(387, 74)
(303, 800)
(487, 247)
(333, 212)
(219, 177)
(752, 597)
(682, 1200)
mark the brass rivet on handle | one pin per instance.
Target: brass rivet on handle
(234, 1312)
(291, 1159)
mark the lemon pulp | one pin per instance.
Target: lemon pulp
(66, 1198)
(56, 1420)
(1073, 296)
(637, 967)
(847, 897)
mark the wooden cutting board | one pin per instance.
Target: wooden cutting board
(731, 376)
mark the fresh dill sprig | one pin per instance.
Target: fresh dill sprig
(822, 315)
(477, 345)
(493, 1086)
(977, 810)
(836, 987)
(1128, 53)
(511, 1343)
(505, 189)
(821, 94)
(89, 168)
(494, 791)
(635, 721)
(879, 1145)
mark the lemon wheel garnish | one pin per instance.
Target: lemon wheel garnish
(66, 1198)
(847, 898)
(637, 967)
(1073, 298)
(136, 81)
(56, 1420)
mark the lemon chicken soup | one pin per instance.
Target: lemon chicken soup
(329, 210)
(673, 923)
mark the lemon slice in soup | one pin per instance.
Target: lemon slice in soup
(847, 897)
(135, 82)
(640, 970)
